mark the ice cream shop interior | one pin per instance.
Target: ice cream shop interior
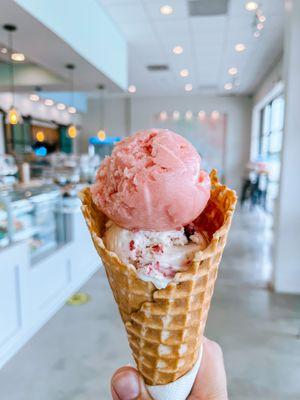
(77, 80)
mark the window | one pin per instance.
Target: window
(269, 144)
(271, 130)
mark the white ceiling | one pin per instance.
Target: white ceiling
(42, 47)
(208, 44)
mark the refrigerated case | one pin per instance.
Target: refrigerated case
(34, 215)
(40, 272)
(4, 237)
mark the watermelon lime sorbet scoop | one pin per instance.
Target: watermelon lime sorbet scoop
(152, 181)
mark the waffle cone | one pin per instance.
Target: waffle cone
(165, 327)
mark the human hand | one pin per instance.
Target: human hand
(210, 383)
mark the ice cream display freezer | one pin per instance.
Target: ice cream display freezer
(45, 256)
(33, 215)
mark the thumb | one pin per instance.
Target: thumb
(126, 384)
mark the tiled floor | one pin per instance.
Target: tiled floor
(74, 355)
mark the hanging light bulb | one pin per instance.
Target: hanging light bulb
(40, 136)
(72, 131)
(101, 135)
(13, 117)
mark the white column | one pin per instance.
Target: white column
(2, 146)
(287, 233)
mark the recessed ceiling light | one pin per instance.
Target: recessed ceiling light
(256, 34)
(188, 115)
(176, 115)
(188, 87)
(228, 86)
(34, 97)
(177, 50)
(251, 5)
(4, 50)
(260, 26)
(262, 18)
(184, 73)
(17, 57)
(61, 106)
(215, 114)
(232, 71)
(48, 102)
(131, 89)
(166, 10)
(201, 115)
(72, 110)
(239, 47)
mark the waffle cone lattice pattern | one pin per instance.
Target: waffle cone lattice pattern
(165, 327)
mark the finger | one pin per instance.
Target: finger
(210, 383)
(126, 384)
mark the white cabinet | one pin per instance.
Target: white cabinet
(84, 253)
(13, 302)
(47, 282)
(31, 294)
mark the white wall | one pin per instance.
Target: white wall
(287, 233)
(109, 114)
(270, 80)
(85, 26)
(238, 110)
(120, 116)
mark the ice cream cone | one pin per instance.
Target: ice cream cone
(165, 327)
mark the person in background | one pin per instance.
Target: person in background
(210, 383)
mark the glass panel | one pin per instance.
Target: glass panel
(277, 119)
(266, 120)
(275, 142)
(264, 146)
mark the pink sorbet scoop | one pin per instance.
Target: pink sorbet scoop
(152, 181)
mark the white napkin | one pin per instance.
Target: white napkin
(179, 389)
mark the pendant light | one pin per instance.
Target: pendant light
(72, 130)
(101, 133)
(13, 116)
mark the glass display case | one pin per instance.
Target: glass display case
(4, 236)
(34, 215)
(21, 212)
(48, 233)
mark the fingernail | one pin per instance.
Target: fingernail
(126, 385)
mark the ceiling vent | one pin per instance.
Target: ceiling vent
(207, 88)
(201, 8)
(158, 67)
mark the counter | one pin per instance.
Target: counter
(33, 288)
